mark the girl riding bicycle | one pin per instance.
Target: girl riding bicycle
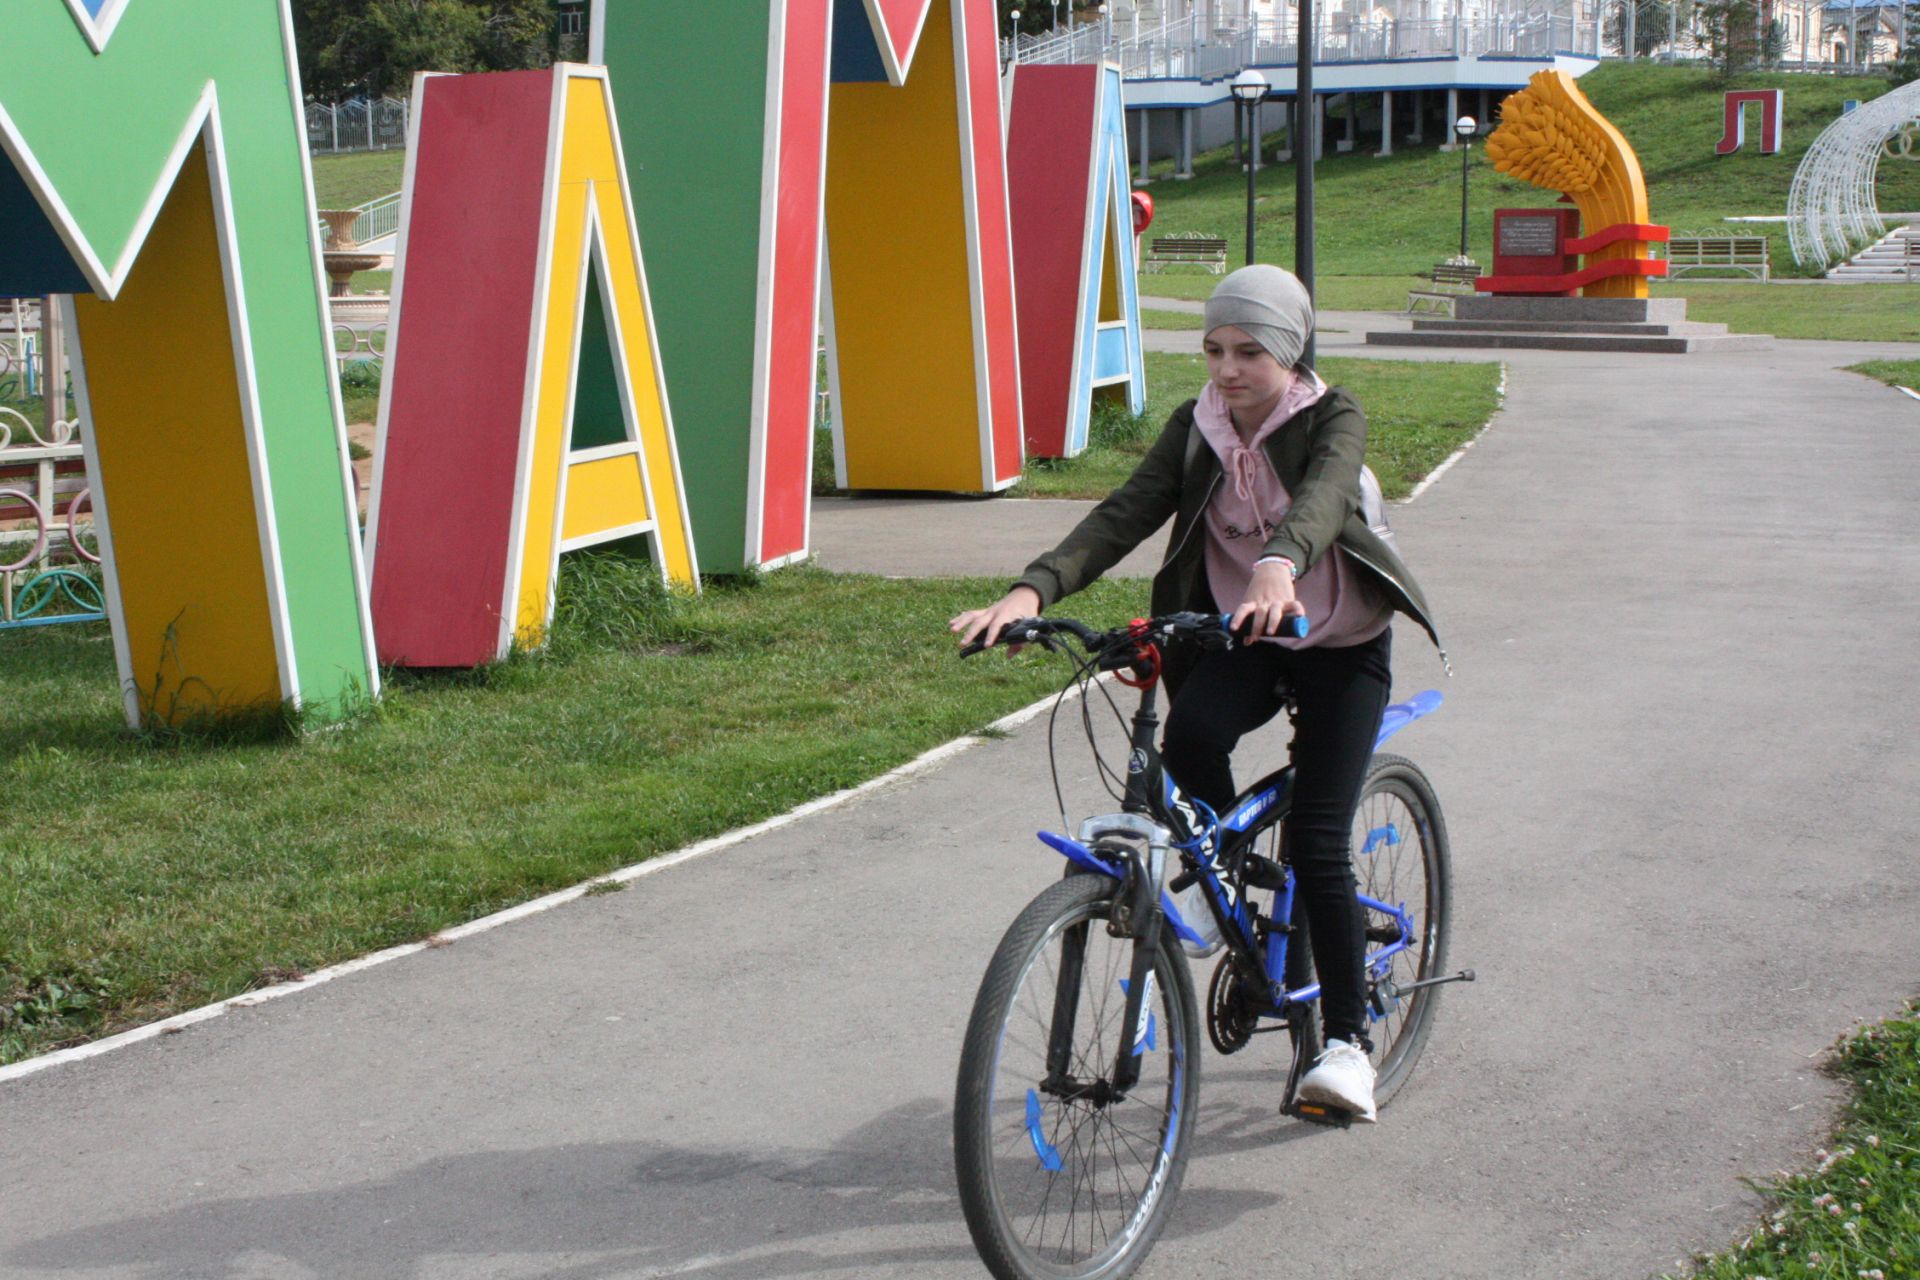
(1262, 477)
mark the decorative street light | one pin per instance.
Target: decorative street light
(1013, 41)
(1463, 129)
(1249, 87)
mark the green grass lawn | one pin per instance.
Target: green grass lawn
(142, 878)
(351, 180)
(1840, 313)
(1895, 373)
(1399, 215)
(1856, 1213)
(1417, 414)
(1156, 318)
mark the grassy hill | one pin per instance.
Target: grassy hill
(1399, 215)
(351, 180)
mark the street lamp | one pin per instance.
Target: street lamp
(1249, 87)
(1013, 41)
(1463, 129)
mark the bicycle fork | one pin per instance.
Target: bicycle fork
(1136, 914)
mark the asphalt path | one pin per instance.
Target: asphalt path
(1677, 765)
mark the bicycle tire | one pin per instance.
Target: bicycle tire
(1401, 856)
(1058, 1188)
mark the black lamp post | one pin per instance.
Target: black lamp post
(1305, 136)
(1249, 87)
(1463, 129)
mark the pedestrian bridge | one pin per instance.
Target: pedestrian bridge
(1395, 79)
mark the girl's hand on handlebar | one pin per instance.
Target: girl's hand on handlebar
(1270, 600)
(985, 625)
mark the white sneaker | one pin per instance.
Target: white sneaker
(1341, 1077)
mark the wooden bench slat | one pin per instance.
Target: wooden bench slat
(1751, 255)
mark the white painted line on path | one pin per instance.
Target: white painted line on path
(1499, 403)
(625, 875)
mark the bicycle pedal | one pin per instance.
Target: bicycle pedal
(1320, 1113)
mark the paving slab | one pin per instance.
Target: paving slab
(1677, 765)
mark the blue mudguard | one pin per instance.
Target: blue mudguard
(1080, 855)
(1401, 714)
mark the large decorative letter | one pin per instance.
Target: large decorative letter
(524, 410)
(162, 172)
(921, 321)
(724, 128)
(1073, 252)
(1772, 110)
(727, 139)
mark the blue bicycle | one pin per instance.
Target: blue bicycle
(1080, 1076)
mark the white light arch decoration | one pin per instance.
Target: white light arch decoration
(1831, 209)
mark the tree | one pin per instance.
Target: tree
(1035, 16)
(1651, 21)
(1905, 69)
(1735, 36)
(374, 47)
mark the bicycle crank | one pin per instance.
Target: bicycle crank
(1391, 990)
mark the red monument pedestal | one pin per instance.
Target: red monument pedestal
(1533, 243)
(1537, 252)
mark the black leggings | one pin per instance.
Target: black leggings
(1340, 695)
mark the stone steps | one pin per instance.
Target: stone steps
(1882, 262)
(1652, 325)
(1561, 341)
(1683, 328)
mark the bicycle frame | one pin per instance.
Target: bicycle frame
(1156, 809)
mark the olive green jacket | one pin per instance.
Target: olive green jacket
(1317, 455)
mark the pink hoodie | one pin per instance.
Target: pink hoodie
(1344, 606)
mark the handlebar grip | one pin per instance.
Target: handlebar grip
(1292, 627)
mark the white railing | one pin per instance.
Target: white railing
(1185, 48)
(375, 218)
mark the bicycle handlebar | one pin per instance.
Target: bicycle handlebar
(1209, 629)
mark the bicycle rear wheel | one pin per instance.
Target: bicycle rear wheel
(1400, 856)
(1055, 1181)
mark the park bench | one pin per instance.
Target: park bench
(1913, 257)
(1187, 247)
(1747, 255)
(1450, 280)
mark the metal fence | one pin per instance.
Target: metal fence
(49, 565)
(358, 124)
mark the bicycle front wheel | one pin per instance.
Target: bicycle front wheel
(1400, 857)
(1058, 1177)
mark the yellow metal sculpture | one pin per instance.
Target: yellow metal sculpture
(1552, 137)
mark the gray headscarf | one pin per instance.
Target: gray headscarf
(1270, 304)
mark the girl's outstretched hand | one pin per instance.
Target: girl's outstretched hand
(1269, 601)
(987, 624)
